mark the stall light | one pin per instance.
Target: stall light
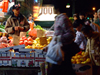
(68, 5)
(93, 8)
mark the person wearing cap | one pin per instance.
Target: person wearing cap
(17, 22)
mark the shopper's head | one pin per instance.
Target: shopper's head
(98, 13)
(75, 16)
(30, 17)
(59, 6)
(87, 30)
(82, 16)
(16, 9)
(95, 15)
(78, 25)
(87, 22)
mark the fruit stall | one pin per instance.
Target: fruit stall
(29, 53)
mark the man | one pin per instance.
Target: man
(98, 20)
(16, 23)
(95, 17)
(93, 47)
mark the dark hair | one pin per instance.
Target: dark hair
(94, 12)
(30, 15)
(60, 5)
(77, 23)
(82, 13)
(86, 29)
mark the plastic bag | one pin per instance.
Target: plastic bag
(54, 52)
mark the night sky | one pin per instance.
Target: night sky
(81, 6)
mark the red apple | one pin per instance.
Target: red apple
(30, 42)
(21, 42)
(26, 42)
(29, 39)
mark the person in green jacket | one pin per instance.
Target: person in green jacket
(98, 19)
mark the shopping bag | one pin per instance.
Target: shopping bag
(16, 40)
(22, 34)
(54, 51)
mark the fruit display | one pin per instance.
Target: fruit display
(37, 45)
(26, 41)
(5, 43)
(79, 59)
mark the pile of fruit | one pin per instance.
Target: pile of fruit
(26, 41)
(36, 44)
(33, 44)
(79, 59)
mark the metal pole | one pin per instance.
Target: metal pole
(73, 7)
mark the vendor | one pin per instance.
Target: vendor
(16, 23)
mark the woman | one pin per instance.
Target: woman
(63, 27)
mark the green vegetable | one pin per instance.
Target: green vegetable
(39, 27)
(2, 26)
(2, 30)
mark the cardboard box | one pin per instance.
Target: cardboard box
(83, 69)
(40, 33)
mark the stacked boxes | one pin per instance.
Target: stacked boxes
(23, 60)
(83, 69)
(39, 58)
(5, 59)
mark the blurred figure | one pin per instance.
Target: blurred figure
(98, 19)
(75, 16)
(82, 17)
(94, 26)
(95, 17)
(80, 38)
(63, 27)
(30, 18)
(92, 48)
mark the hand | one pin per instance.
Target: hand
(16, 28)
(20, 28)
(45, 48)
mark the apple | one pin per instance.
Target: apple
(21, 42)
(29, 39)
(24, 38)
(26, 42)
(30, 42)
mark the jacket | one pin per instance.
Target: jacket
(63, 27)
(93, 48)
(16, 21)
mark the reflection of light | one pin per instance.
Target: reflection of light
(36, 0)
(46, 17)
(35, 14)
(67, 6)
(35, 7)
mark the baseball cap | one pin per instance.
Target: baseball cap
(16, 6)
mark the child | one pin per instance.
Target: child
(80, 38)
